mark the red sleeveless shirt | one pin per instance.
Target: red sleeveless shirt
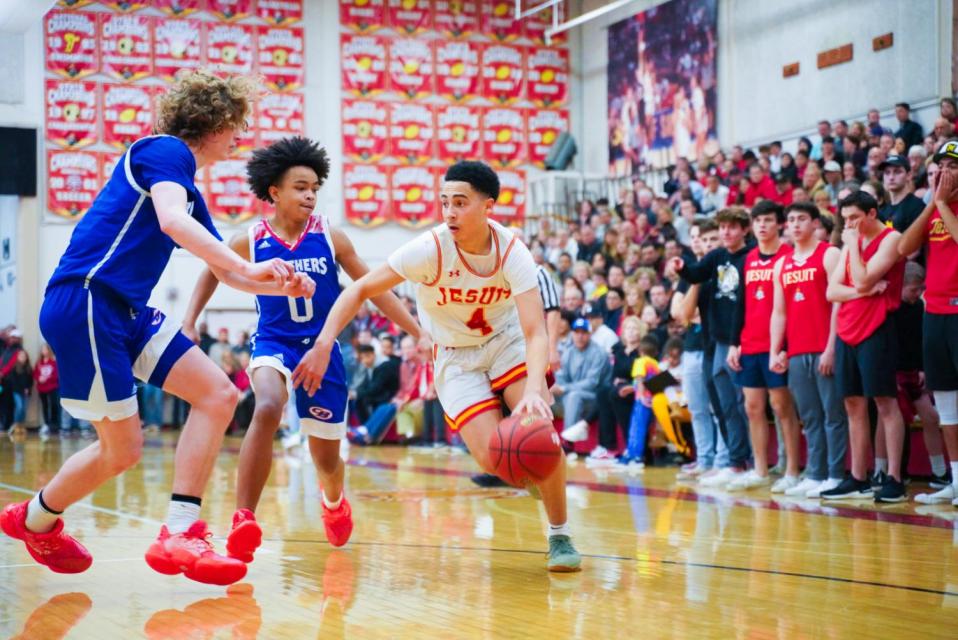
(808, 313)
(759, 299)
(858, 319)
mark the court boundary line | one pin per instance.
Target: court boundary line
(91, 507)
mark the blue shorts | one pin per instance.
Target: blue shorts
(101, 344)
(755, 373)
(324, 414)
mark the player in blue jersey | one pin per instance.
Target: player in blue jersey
(96, 319)
(288, 174)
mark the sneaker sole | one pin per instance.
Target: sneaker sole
(161, 562)
(891, 500)
(563, 568)
(244, 540)
(850, 496)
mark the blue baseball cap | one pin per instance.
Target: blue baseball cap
(581, 324)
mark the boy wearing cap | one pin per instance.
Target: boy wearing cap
(937, 229)
(585, 367)
(903, 206)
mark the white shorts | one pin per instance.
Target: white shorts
(468, 378)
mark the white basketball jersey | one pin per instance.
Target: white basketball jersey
(465, 300)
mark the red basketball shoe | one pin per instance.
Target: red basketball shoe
(245, 537)
(338, 523)
(192, 554)
(54, 549)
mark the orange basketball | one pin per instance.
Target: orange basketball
(524, 447)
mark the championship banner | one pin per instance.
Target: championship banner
(415, 193)
(230, 9)
(74, 4)
(502, 72)
(411, 127)
(178, 8)
(409, 17)
(73, 180)
(108, 162)
(227, 195)
(280, 12)
(510, 207)
(279, 115)
(126, 46)
(548, 76)
(178, 46)
(498, 20)
(229, 47)
(537, 24)
(411, 67)
(366, 194)
(127, 113)
(457, 69)
(125, 6)
(543, 129)
(456, 18)
(71, 113)
(281, 53)
(362, 15)
(457, 132)
(246, 139)
(503, 136)
(365, 130)
(363, 61)
(71, 43)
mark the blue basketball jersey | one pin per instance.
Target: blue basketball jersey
(293, 319)
(119, 244)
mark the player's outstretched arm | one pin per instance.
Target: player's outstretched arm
(309, 374)
(390, 304)
(169, 200)
(529, 306)
(298, 286)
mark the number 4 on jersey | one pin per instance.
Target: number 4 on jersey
(478, 322)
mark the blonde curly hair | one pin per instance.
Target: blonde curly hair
(200, 103)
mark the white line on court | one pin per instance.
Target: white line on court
(91, 507)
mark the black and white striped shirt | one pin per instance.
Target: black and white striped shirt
(547, 289)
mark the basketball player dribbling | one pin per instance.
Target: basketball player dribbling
(96, 319)
(479, 299)
(288, 174)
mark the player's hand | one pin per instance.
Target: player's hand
(778, 362)
(674, 265)
(311, 369)
(299, 286)
(878, 289)
(850, 237)
(734, 359)
(826, 362)
(531, 402)
(274, 270)
(626, 391)
(190, 332)
(946, 187)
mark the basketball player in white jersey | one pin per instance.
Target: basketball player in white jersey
(478, 298)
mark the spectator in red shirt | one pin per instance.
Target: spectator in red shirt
(760, 186)
(47, 376)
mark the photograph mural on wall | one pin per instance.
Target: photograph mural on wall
(662, 85)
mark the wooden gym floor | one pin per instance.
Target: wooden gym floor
(432, 556)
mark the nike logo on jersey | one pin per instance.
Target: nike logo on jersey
(263, 245)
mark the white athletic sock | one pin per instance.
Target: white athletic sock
(954, 475)
(881, 464)
(181, 515)
(332, 505)
(40, 518)
(937, 465)
(559, 530)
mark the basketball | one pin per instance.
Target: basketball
(524, 447)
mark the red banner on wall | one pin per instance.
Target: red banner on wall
(548, 71)
(457, 132)
(363, 62)
(227, 195)
(409, 16)
(73, 180)
(411, 127)
(178, 46)
(71, 117)
(510, 207)
(280, 115)
(366, 194)
(280, 12)
(456, 18)
(503, 136)
(230, 9)
(127, 113)
(415, 192)
(457, 69)
(126, 46)
(178, 8)
(365, 130)
(229, 47)
(281, 53)
(498, 20)
(246, 139)
(502, 72)
(411, 67)
(125, 6)
(362, 15)
(536, 25)
(71, 43)
(108, 162)
(543, 129)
